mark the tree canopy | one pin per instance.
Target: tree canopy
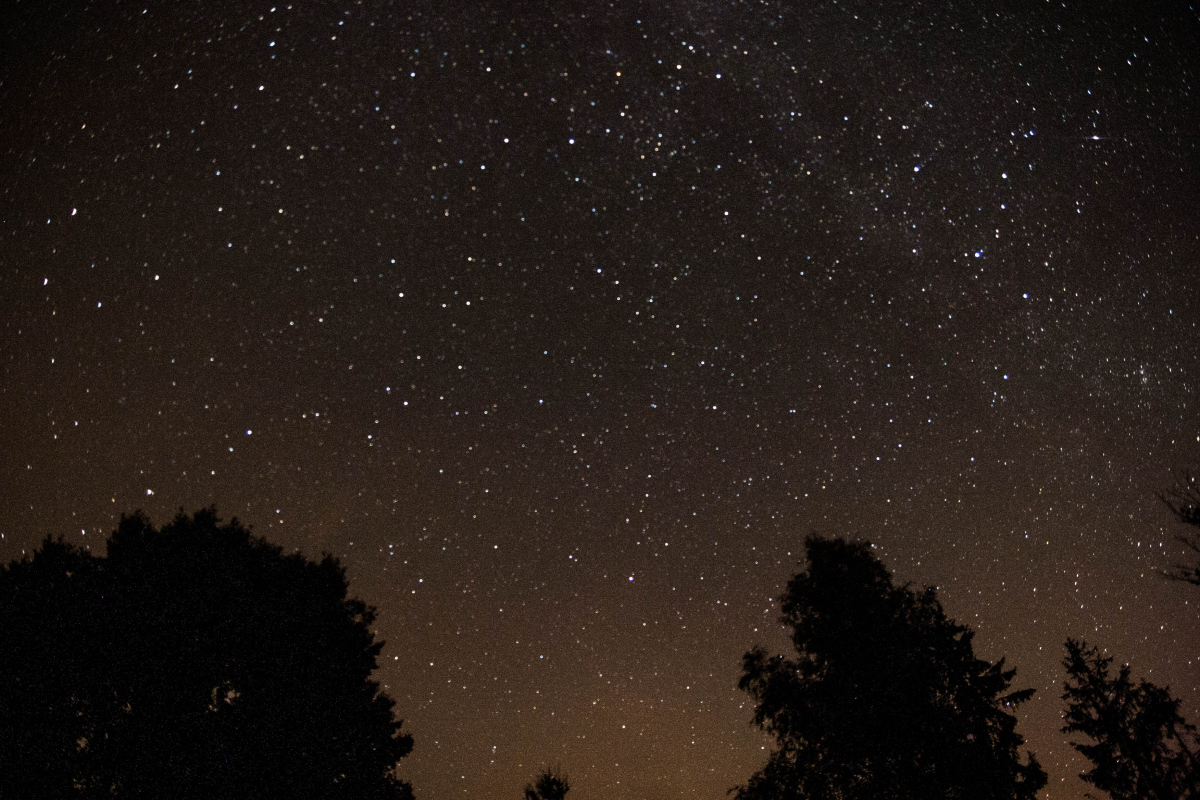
(1184, 501)
(1141, 748)
(550, 785)
(884, 698)
(193, 661)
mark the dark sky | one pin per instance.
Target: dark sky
(563, 323)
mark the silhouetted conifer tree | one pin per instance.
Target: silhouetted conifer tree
(1184, 502)
(198, 661)
(1142, 749)
(550, 785)
(884, 699)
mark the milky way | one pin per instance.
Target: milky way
(563, 324)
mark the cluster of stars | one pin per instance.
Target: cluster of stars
(578, 320)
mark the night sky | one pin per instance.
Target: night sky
(563, 323)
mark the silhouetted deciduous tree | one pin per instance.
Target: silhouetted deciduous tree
(884, 698)
(1142, 749)
(198, 661)
(550, 785)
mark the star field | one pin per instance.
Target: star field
(563, 324)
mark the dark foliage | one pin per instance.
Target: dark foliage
(1184, 501)
(193, 662)
(550, 785)
(1142, 749)
(884, 699)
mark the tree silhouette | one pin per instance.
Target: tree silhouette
(1142, 749)
(1184, 501)
(550, 785)
(884, 699)
(195, 661)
